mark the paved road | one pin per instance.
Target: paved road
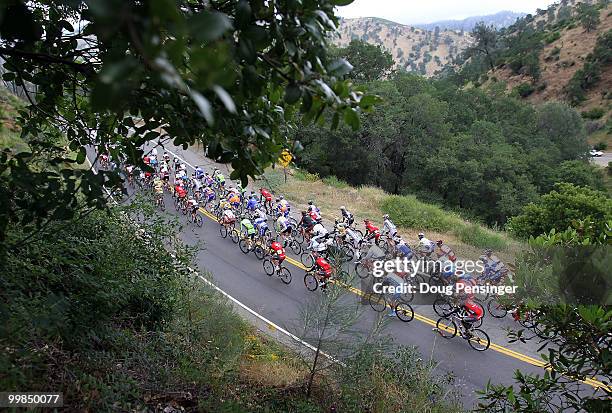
(603, 160)
(242, 277)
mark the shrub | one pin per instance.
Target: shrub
(592, 126)
(407, 211)
(303, 175)
(595, 113)
(601, 146)
(552, 37)
(524, 89)
(560, 208)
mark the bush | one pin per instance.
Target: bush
(407, 211)
(524, 89)
(560, 208)
(601, 146)
(595, 113)
(303, 175)
(552, 37)
(592, 126)
(479, 237)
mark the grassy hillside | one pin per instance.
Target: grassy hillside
(411, 215)
(415, 50)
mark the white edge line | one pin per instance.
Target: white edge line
(244, 306)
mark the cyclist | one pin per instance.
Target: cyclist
(166, 158)
(165, 174)
(473, 310)
(219, 178)
(262, 225)
(228, 217)
(259, 213)
(252, 203)
(199, 172)
(283, 227)
(265, 198)
(314, 214)
(196, 184)
(494, 268)
(445, 252)
(282, 205)
(323, 271)
(247, 228)
(159, 187)
(307, 222)
(208, 180)
(389, 228)
(402, 248)
(193, 205)
(375, 253)
(347, 217)
(311, 204)
(426, 247)
(371, 231)
(177, 163)
(234, 199)
(278, 254)
(180, 191)
(319, 235)
(208, 194)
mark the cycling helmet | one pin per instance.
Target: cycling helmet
(310, 208)
(279, 214)
(386, 216)
(342, 208)
(421, 235)
(277, 200)
(303, 212)
(366, 221)
(310, 202)
(488, 251)
(281, 197)
(439, 242)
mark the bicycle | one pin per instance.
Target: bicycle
(246, 245)
(196, 218)
(312, 278)
(449, 326)
(445, 306)
(289, 242)
(226, 228)
(280, 270)
(159, 201)
(400, 305)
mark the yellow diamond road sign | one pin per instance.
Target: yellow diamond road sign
(285, 158)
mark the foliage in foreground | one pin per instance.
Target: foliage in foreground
(226, 74)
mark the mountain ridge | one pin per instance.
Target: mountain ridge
(499, 20)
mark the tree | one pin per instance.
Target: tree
(370, 62)
(227, 74)
(580, 173)
(564, 127)
(560, 208)
(589, 16)
(485, 43)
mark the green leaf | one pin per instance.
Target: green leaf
(9, 76)
(225, 97)
(342, 2)
(292, 93)
(351, 118)
(243, 13)
(81, 155)
(368, 101)
(207, 26)
(204, 105)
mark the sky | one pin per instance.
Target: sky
(428, 11)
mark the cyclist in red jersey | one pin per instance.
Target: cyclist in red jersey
(324, 271)
(265, 198)
(371, 231)
(278, 253)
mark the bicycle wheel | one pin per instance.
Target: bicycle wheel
(310, 282)
(199, 221)
(479, 340)
(307, 259)
(496, 309)
(404, 311)
(295, 247)
(349, 254)
(297, 235)
(442, 307)
(243, 245)
(377, 302)
(361, 270)
(268, 267)
(446, 327)
(259, 252)
(234, 236)
(209, 206)
(285, 275)
(223, 231)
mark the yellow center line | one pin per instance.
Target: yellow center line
(495, 347)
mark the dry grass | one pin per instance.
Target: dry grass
(366, 202)
(267, 372)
